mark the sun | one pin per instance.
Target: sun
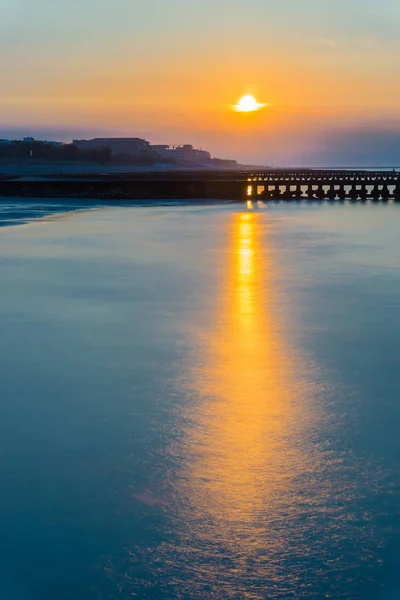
(248, 104)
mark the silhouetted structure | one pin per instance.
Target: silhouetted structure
(217, 185)
(131, 146)
(113, 150)
(324, 184)
(183, 155)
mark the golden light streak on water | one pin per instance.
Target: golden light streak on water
(241, 441)
(248, 367)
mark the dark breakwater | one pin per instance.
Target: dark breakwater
(124, 189)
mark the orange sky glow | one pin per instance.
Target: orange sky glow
(172, 84)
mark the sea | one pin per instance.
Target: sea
(199, 402)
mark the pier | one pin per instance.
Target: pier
(235, 185)
(321, 185)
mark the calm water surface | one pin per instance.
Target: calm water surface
(201, 403)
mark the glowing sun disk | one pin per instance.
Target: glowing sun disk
(248, 104)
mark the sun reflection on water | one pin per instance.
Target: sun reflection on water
(241, 455)
(249, 370)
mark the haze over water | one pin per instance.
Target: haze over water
(201, 402)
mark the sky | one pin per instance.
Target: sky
(170, 71)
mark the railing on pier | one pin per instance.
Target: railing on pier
(320, 185)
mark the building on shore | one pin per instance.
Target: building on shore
(161, 149)
(131, 146)
(184, 154)
(188, 154)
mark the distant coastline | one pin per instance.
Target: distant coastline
(110, 153)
